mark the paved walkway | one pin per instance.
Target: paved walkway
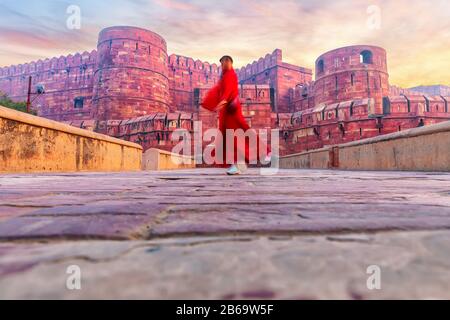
(201, 234)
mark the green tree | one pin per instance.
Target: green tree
(5, 101)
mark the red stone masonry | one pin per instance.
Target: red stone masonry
(131, 77)
(64, 78)
(279, 75)
(132, 89)
(185, 75)
(354, 72)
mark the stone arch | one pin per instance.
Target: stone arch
(320, 66)
(366, 57)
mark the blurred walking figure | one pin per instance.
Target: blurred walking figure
(224, 98)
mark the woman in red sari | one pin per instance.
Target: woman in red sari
(224, 97)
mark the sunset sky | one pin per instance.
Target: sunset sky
(416, 33)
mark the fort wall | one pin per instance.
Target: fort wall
(132, 89)
(65, 79)
(279, 75)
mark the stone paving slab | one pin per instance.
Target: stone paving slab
(414, 265)
(199, 234)
(145, 205)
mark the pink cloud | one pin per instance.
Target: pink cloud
(175, 5)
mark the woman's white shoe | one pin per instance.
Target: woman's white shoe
(233, 170)
(268, 158)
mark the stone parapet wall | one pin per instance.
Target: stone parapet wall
(157, 159)
(33, 144)
(419, 149)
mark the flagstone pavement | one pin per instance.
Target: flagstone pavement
(199, 234)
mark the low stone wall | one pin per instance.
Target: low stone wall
(316, 159)
(419, 149)
(33, 144)
(156, 159)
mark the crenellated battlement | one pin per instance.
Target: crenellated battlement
(187, 63)
(263, 63)
(282, 77)
(133, 52)
(50, 64)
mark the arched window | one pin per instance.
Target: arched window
(386, 105)
(78, 102)
(366, 57)
(320, 66)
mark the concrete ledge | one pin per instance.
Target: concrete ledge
(315, 159)
(156, 159)
(34, 144)
(419, 149)
(410, 133)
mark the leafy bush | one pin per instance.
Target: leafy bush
(5, 101)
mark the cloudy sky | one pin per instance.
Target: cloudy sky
(416, 33)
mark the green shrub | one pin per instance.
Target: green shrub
(5, 101)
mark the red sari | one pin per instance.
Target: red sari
(230, 116)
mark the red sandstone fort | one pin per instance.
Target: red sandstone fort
(130, 88)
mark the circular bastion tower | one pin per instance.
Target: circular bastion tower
(350, 73)
(131, 77)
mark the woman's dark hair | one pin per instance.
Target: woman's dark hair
(226, 57)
